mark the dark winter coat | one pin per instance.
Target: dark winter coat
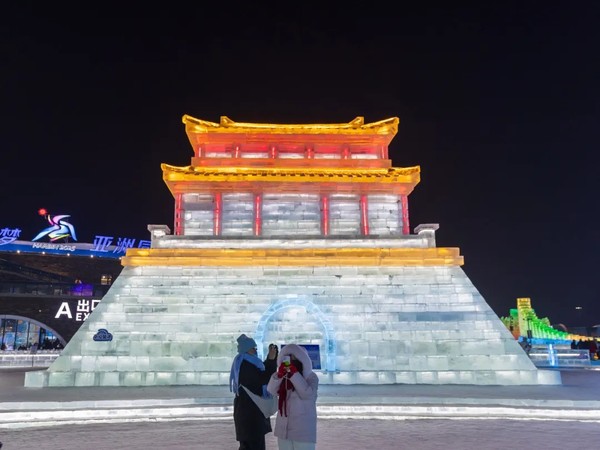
(250, 423)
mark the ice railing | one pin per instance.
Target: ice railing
(424, 237)
(556, 355)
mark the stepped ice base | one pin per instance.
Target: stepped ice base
(110, 379)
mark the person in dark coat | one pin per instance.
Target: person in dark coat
(249, 371)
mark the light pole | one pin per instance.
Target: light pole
(580, 325)
(579, 310)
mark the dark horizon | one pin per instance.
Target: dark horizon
(498, 105)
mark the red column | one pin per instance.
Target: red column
(178, 215)
(345, 152)
(217, 214)
(364, 215)
(404, 212)
(324, 215)
(383, 154)
(257, 214)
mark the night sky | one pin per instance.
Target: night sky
(498, 105)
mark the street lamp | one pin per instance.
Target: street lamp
(579, 310)
(579, 313)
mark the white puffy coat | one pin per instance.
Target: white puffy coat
(301, 421)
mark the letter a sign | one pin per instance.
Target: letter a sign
(64, 309)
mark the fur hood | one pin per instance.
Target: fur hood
(300, 354)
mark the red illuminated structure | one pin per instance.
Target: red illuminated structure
(332, 180)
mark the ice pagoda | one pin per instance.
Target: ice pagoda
(292, 233)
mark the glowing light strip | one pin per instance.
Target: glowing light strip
(304, 257)
(218, 213)
(299, 174)
(325, 215)
(405, 222)
(178, 215)
(257, 215)
(132, 412)
(364, 215)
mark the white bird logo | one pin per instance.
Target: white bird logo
(59, 229)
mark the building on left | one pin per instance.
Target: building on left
(50, 284)
(45, 297)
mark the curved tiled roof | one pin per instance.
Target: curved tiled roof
(313, 174)
(355, 127)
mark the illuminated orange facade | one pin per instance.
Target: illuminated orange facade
(321, 169)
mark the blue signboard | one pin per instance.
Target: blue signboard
(103, 246)
(314, 354)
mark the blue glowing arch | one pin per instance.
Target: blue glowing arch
(311, 308)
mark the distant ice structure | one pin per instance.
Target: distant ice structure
(292, 233)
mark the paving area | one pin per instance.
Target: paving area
(346, 434)
(578, 398)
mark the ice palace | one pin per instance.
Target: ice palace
(292, 233)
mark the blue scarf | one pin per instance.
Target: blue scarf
(234, 376)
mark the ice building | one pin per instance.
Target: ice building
(292, 233)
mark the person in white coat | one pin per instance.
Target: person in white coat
(296, 386)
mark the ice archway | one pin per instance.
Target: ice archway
(312, 309)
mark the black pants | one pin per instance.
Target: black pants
(258, 444)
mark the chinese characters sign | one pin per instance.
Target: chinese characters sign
(82, 311)
(61, 229)
(103, 246)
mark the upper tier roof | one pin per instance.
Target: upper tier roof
(356, 127)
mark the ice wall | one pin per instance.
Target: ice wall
(174, 325)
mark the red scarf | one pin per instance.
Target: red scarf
(286, 385)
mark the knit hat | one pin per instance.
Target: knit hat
(245, 343)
